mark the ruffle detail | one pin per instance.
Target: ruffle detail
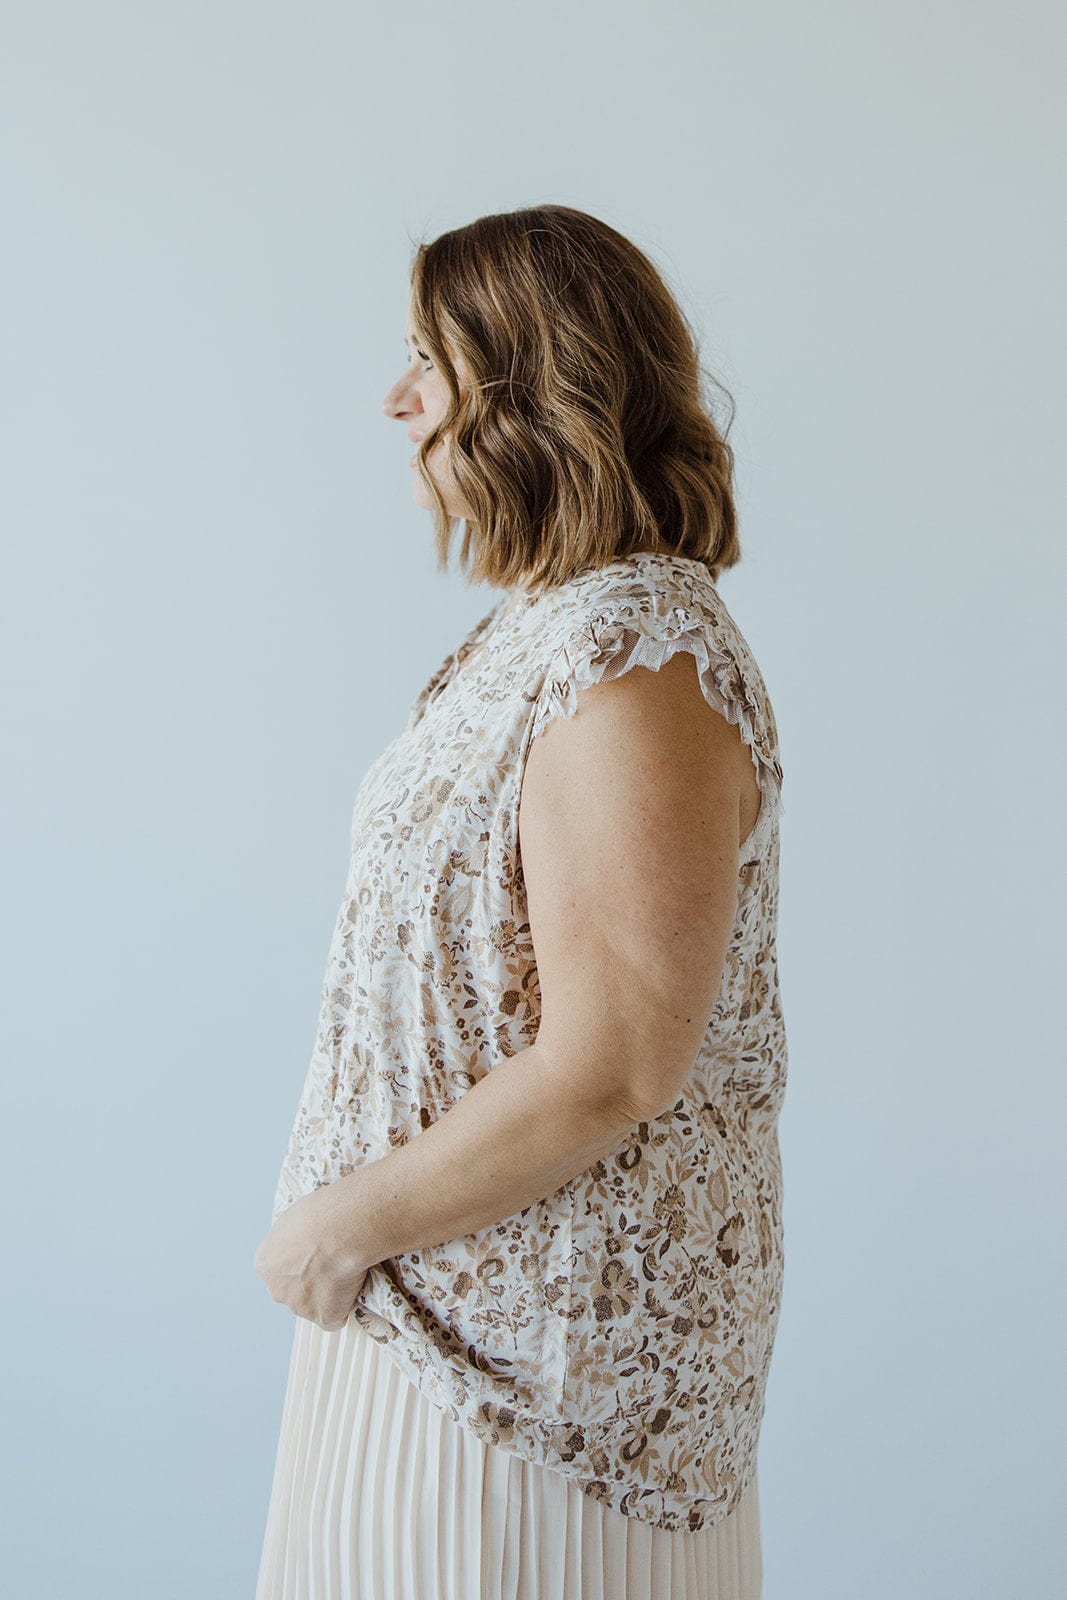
(606, 647)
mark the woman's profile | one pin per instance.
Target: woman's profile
(529, 1217)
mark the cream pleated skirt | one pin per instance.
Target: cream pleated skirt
(378, 1495)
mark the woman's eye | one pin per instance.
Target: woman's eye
(424, 357)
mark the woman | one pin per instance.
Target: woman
(529, 1216)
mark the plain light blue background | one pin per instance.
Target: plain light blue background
(220, 600)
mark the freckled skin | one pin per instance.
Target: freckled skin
(632, 814)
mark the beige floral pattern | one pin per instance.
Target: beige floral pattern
(619, 1330)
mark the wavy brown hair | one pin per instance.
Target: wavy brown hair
(584, 435)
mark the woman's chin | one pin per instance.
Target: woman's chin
(422, 497)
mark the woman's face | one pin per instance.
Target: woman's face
(419, 399)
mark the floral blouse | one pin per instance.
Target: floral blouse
(620, 1329)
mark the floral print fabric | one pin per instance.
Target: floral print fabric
(620, 1330)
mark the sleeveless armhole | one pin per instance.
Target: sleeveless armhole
(597, 654)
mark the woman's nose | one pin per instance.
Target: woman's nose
(400, 401)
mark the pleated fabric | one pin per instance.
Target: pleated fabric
(378, 1495)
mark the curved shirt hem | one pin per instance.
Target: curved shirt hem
(569, 1448)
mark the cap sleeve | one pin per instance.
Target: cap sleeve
(636, 634)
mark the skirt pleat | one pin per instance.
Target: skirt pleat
(378, 1495)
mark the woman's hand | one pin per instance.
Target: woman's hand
(307, 1264)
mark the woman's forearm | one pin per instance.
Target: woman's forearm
(517, 1136)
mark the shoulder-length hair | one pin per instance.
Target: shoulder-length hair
(584, 436)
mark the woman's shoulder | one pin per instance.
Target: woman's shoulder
(641, 610)
(657, 593)
(648, 597)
